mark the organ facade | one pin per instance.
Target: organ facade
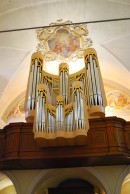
(60, 106)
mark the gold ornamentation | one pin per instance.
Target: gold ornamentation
(60, 100)
(80, 76)
(64, 66)
(48, 79)
(63, 43)
(68, 109)
(77, 85)
(43, 89)
(51, 109)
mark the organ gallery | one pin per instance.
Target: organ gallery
(60, 106)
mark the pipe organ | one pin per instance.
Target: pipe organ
(60, 106)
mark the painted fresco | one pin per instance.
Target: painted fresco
(17, 110)
(64, 43)
(117, 99)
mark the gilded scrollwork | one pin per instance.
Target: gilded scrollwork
(63, 42)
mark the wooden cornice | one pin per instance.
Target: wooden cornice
(108, 143)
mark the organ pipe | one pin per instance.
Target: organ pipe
(60, 113)
(79, 106)
(64, 81)
(69, 120)
(33, 81)
(41, 108)
(51, 122)
(95, 90)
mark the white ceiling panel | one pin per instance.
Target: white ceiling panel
(45, 12)
(10, 60)
(120, 48)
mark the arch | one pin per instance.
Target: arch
(16, 184)
(37, 181)
(100, 178)
(121, 178)
(12, 105)
(52, 178)
(2, 124)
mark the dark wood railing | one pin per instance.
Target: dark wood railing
(108, 143)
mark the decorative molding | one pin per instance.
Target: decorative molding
(63, 43)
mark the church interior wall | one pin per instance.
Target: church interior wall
(108, 179)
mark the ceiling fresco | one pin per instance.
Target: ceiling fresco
(63, 43)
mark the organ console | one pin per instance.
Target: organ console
(60, 106)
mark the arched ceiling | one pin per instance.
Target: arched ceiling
(111, 39)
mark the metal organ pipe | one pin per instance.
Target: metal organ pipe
(95, 91)
(60, 113)
(92, 74)
(37, 113)
(92, 90)
(79, 105)
(64, 81)
(84, 81)
(90, 86)
(69, 120)
(34, 80)
(98, 84)
(41, 108)
(51, 121)
(67, 123)
(47, 80)
(29, 103)
(34, 83)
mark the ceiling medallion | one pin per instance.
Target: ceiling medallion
(63, 43)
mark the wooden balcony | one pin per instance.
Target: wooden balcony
(108, 143)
